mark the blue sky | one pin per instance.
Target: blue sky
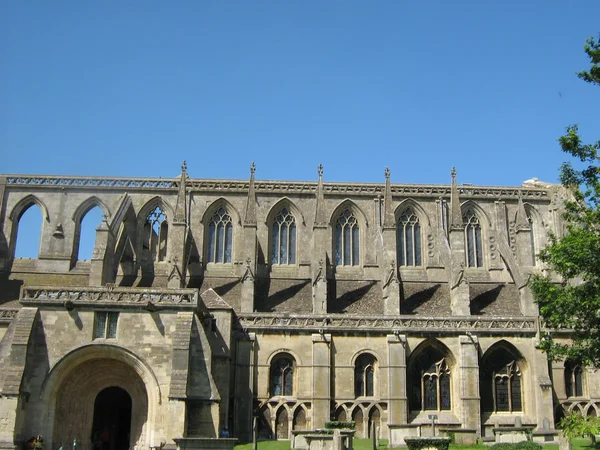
(133, 88)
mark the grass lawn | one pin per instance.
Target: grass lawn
(365, 444)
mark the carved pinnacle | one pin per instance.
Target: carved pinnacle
(320, 170)
(252, 167)
(184, 166)
(387, 173)
(453, 172)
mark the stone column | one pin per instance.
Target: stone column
(398, 397)
(321, 389)
(101, 264)
(468, 373)
(543, 407)
(245, 387)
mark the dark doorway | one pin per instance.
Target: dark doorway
(112, 419)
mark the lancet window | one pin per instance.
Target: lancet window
(282, 375)
(364, 375)
(220, 237)
(507, 388)
(409, 239)
(474, 252)
(347, 240)
(430, 382)
(156, 230)
(573, 379)
(283, 239)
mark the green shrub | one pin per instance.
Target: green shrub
(416, 443)
(336, 424)
(528, 445)
(503, 446)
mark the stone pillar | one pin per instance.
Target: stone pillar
(398, 397)
(468, 373)
(321, 389)
(101, 264)
(177, 239)
(542, 390)
(245, 381)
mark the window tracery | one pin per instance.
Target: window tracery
(507, 388)
(573, 379)
(156, 229)
(430, 382)
(283, 240)
(364, 376)
(347, 240)
(474, 252)
(409, 239)
(282, 376)
(220, 237)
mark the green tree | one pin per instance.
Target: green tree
(575, 425)
(574, 303)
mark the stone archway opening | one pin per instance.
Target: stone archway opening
(111, 429)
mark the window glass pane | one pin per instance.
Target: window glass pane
(359, 387)
(516, 393)
(289, 382)
(430, 384)
(211, 242)
(470, 249)
(292, 249)
(569, 382)
(478, 246)
(445, 392)
(347, 251)
(100, 325)
(220, 242)
(417, 229)
(400, 249)
(276, 381)
(578, 382)
(501, 394)
(228, 242)
(162, 245)
(283, 244)
(355, 246)
(338, 245)
(275, 244)
(409, 246)
(112, 325)
(370, 381)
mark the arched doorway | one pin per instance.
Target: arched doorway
(111, 428)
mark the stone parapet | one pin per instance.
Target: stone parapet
(186, 299)
(344, 322)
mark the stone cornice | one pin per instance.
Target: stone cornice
(275, 187)
(385, 324)
(147, 298)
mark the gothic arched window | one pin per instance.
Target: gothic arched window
(156, 230)
(501, 382)
(220, 237)
(347, 240)
(283, 239)
(573, 379)
(532, 239)
(430, 382)
(409, 239)
(474, 252)
(364, 376)
(282, 375)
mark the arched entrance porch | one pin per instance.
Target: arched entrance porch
(83, 402)
(111, 427)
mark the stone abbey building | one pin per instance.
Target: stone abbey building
(209, 302)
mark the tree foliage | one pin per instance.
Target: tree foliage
(576, 425)
(574, 301)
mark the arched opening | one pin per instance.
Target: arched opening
(87, 233)
(29, 230)
(300, 419)
(111, 427)
(374, 419)
(357, 417)
(281, 424)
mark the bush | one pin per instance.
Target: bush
(336, 424)
(528, 445)
(416, 443)
(503, 446)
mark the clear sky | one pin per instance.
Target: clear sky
(132, 88)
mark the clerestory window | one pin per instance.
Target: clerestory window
(347, 240)
(105, 325)
(156, 230)
(282, 375)
(220, 237)
(409, 239)
(474, 252)
(364, 376)
(283, 239)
